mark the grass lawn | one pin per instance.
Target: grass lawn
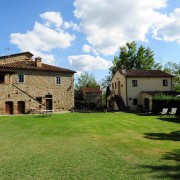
(90, 146)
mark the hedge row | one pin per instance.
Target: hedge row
(158, 104)
(85, 105)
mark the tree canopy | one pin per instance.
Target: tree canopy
(86, 80)
(131, 57)
(173, 69)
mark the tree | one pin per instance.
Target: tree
(173, 69)
(86, 80)
(131, 57)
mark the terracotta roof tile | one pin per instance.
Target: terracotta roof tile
(91, 90)
(144, 73)
(31, 65)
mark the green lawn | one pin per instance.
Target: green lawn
(89, 146)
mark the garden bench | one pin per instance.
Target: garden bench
(46, 112)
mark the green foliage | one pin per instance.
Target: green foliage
(104, 99)
(86, 80)
(86, 105)
(173, 69)
(165, 101)
(131, 57)
(163, 97)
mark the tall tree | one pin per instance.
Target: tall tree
(174, 69)
(131, 57)
(86, 80)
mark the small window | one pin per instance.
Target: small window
(112, 85)
(20, 78)
(39, 99)
(135, 102)
(58, 80)
(165, 82)
(134, 83)
(115, 85)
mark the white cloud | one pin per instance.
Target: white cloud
(168, 28)
(86, 48)
(110, 23)
(52, 17)
(87, 62)
(43, 38)
(72, 25)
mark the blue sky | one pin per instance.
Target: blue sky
(85, 35)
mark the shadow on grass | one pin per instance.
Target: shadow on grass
(42, 117)
(174, 136)
(172, 170)
(166, 170)
(170, 119)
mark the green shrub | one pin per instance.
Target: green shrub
(165, 101)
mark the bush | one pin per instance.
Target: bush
(162, 101)
(85, 105)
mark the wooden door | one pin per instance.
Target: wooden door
(21, 107)
(9, 107)
(48, 104)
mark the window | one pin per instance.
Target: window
(2, 79)
(135, 102)
(165, 82)
(115, 85)
(39, 99)
(112, 85)
(58, 80)
(134, 83)
(20, 78)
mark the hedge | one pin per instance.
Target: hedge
(85, 105)
(161, 101)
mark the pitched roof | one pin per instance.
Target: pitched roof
(144, 73)
(91, 90)
(17, 54)
(31, 65)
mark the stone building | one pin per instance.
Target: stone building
(92, 94)
(27, 85)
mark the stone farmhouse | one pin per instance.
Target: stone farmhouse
(27, 85)
(135, 88)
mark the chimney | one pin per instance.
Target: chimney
(38, 61)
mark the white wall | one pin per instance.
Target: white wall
(144, 84)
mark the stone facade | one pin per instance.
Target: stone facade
(38, 90)
(16, 57)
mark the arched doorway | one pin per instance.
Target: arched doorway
(146, 104)
(9, 107)
(21, 107)
(49, 101)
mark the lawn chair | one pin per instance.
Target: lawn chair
(173, 111)
(164, 111)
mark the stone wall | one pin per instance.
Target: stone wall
(37, 84)
(16, 57)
